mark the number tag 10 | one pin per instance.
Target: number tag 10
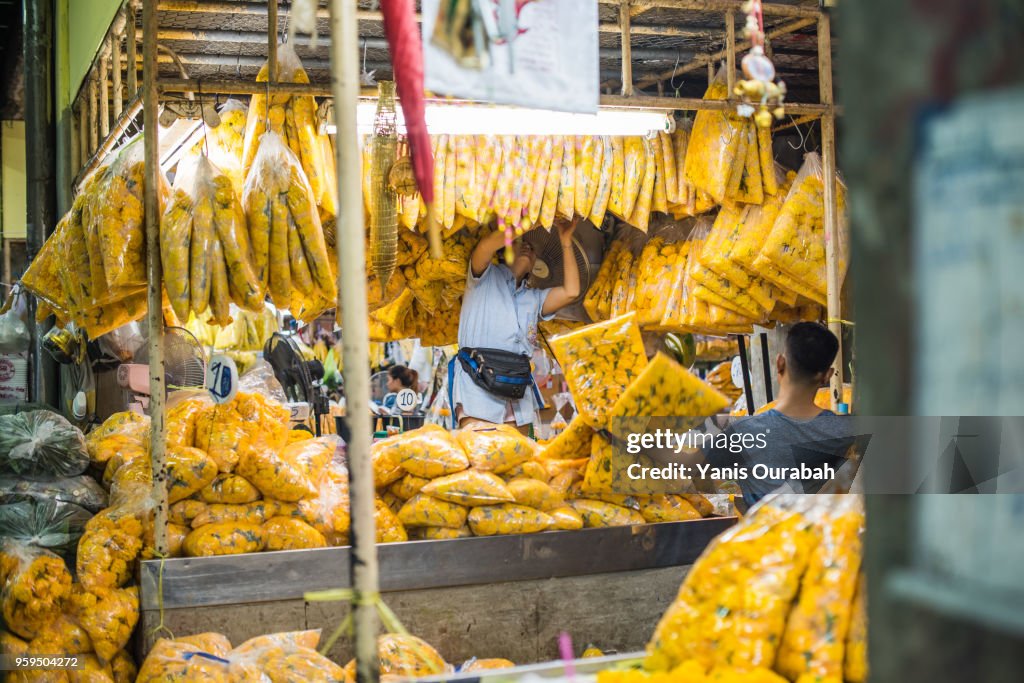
(222, 379)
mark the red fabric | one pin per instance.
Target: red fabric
(403, 34)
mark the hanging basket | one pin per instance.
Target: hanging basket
(401, 178)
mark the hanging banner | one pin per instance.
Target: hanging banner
(538, 53)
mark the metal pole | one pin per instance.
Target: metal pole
(748, 390)
(832, 236)
(627, 50)
(40, 174)
(355, 333)
(131, 48)
(154, 275)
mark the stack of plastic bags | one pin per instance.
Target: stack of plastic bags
(777, 592)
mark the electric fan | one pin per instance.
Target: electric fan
(588, 246)
(184, 365)
(379, 386)
(300, 379)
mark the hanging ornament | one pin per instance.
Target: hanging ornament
(759, 91)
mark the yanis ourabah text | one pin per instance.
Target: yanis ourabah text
(675, 471)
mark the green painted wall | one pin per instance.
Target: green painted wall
(12, 182)
(87, 24)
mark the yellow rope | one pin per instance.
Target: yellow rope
(160, 597)
(848, 323)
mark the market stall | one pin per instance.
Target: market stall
(709, 236)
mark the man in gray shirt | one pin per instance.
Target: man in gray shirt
(796, 441)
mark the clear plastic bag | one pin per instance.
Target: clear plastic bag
(231, 489)
(405, 656)
(816, 630)
(35, 584)
(328, 511)
(667, 508)
(117, 430)
(63, 636)
(41, 442)
(289, 248)
(470, 487)
(732, 606)
(599, 361)
(408, 486)
(389, 528)
(855, 665)
(117, 212)
(289, 533)
(566, 518)
(665, 389)
(283, 657)
(231, 431)
(796, 244)
(427, 452)
(82, 491)
(535, 494)
(597, 513)
(424, 510)
(113, 540)
(291, 474)
(495, 448)
(715, 146)
(509, 518)
(440, 533)
(108, 616)
(226, 538)
(249, 513)
(176, 660)
(531, 469)
(42, 520)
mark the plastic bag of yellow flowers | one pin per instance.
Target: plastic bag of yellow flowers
(599, 361)
(732, 606)
(122, 428)
(509, 518)
(35, 584)
(427, 452)
(404, 656)
(108, 615)
(470, 487)
(495, 448)
(113, 539)
(230, 431)
(291, 473)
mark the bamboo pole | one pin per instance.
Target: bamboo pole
(627, 50)
(76, 142)
(131, 48)
(832, 236)
(768, 8)
(89, 163)
(703, 60)
(730, 51)
(345, 88)
(154, 276)
(83, 133)
(94, 137)
(104, 95)
(115, 74)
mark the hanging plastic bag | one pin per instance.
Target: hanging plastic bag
(509, 518)
(732, 606)
(118, 216)
(599, 361)
(714, 145)
(470, 488)
(816, 630)
(41, 442)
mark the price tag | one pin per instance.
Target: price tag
(222, 379)
(406, 400)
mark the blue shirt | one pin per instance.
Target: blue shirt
(788, 443)
(497, 314)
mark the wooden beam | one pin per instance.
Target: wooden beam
(625, 16)
(833, 243)
(769, 9)
(702, 61)
(104, 96)
(730, 51)
(115, 74)
(131, 48)
(94, 136)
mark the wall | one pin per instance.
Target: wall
(90, 19)
(12, 180)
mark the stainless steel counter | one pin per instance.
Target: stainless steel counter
(417, 565)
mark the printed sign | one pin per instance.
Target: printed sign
(406, 400)
(222, 379)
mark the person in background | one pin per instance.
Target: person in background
(499, 312)
(795, 432)
(399, 377)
